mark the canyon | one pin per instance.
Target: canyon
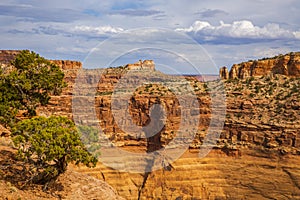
(256, 155)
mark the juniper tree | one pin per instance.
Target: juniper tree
(49, 145)
(29, 83)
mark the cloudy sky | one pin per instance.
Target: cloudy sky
(228, 31)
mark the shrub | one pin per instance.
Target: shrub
(50, 144)
(30, 84)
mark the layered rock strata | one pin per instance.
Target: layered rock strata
(258, 149)
(288, 65)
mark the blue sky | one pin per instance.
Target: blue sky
(229, 31)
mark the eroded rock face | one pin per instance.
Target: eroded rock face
(262, 67)
(67, 64)
(243, 174)
(257, 130)
(288, 65)
(224, 74)
(244, 72)
(294, 65)
(6, 56)
(260, 138)
(141, 65)
(234, 72)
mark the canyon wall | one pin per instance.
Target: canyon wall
(258, 149)
(288, 65)
(256, 157)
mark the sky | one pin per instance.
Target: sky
(225, 31)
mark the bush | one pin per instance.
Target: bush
(30, 84)
(50, 144)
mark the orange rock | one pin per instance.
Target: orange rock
(288, 65)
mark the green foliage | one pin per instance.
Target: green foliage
(257, 89)
(268, 78)
(28, 85)
(238, 115)
(271, 90)
(90, 138)
(9, 103)
(251, 95)
(49, 144)
(249, 80)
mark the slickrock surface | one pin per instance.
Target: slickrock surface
(247, 175)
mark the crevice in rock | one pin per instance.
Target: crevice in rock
(145, 178)
(103, 176)
(153, 141)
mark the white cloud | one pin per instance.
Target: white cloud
(297, 34)
(239, 29)
(100, 30)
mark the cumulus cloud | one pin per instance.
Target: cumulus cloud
(241, 30)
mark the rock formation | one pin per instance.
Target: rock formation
(67, 64)
(294, 65)
(257, 130)
(6, 56)
(224, 74)
(258, 149)
(288, 65)
(142, 65)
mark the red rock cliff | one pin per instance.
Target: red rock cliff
(288, 65)
(258, 149)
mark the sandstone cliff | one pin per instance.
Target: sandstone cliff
(258, 149)
(288, 64)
